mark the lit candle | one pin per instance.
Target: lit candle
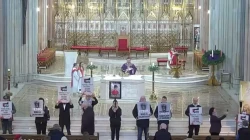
(241, 89)
(9, 70)
(153, 64)
(91, 63)
(212, 53)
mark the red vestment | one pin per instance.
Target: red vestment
(173, 58)
(81, 70)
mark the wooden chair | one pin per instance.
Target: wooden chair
(123, 45)
(27, 137)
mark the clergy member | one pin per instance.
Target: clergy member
(195, 128)
(172, 58)
(142, 112)
(81, 75)
(75, 78)
(129, 67)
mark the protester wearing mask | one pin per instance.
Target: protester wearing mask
(115, 113)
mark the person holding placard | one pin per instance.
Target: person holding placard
(142, 112)
(191, 127)
(41, 122)
(215, 121)
(64, 114)
(163, 112)
(244, 132)
(7, 118)
(88, 119)
(115, 113)
(88, 97)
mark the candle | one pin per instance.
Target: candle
(91, 63)
(212, 53)
(153, 64)
(9, 70)
(150, 47)
(220, 53)
(215, 47)
(241, 89)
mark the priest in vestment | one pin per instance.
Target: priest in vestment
(129, 67)
(75, 78)
(81, 75)
(172, 58)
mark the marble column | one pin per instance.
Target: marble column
(50, 15)
(1, 49)
(225, 18)
(42, 24)
(197, 15)
(204, 24)
(246, 39)
(22, 58)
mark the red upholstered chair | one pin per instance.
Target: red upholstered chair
(122, 45)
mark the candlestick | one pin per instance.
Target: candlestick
(220, 53)
(212, 53)
(215, 47)
(241, 89)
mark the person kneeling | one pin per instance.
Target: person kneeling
(162, 134)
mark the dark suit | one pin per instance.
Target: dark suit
(162, 135)
(64, 115)
(88, 121)
(159, 122)
(115, 122)
(191, 128)
(243, 134)
(215, 122)
(142, 125)
(41, 122)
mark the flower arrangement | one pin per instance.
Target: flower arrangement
(91, 66)
(213, 57)
(153, 68)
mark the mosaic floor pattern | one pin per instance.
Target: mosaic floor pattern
(180, 97)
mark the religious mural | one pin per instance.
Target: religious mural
(159, 23)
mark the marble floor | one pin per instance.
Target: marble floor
(180, 97)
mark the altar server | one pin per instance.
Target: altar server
(75, 78)
(192, 128)
(172, 58)
(164, 112)
(129, 67)
(41, 122)
(142, 112)
(115, 113)
(89, 98)
(64, 114)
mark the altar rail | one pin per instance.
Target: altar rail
(198, 137)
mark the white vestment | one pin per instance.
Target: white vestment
(169, 60)
(75, 84)
(80, 79)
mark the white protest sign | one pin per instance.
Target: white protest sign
(36, 108)
(195, 115)
(143, 110)
(164, 111)
(241, 118)
(87, 84)
(6, 109)
(64, 94)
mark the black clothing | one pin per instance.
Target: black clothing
(41, 122)
(244, 134)
(88, 121)
(214, 134)
(215, 124)
(56, 134)
(141, 123)
(94, 102)
(64, 115)
(162, 135)
(115, 122)
(159, 122)
(192, 128)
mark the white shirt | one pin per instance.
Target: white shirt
(64, 106)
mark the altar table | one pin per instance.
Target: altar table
(132, 87)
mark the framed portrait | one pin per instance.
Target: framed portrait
(115, 90)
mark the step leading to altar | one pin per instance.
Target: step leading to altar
(26, 125)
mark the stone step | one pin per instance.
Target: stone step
(26, 125)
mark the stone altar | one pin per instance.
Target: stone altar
(132, 87)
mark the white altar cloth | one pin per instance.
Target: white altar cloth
(133, 87)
